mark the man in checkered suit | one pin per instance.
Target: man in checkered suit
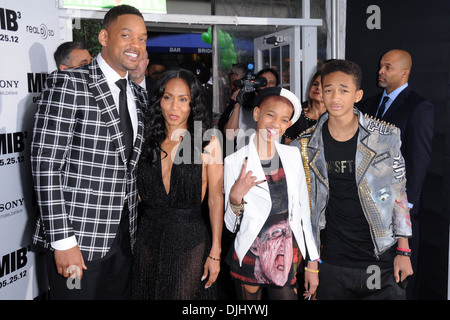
(85, 184)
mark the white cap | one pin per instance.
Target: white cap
(278, 91)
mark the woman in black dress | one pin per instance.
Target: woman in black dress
(175, 258)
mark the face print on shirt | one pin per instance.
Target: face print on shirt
(274, 251)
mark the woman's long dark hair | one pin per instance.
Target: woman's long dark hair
(155, 124)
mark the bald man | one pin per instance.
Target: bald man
(395, 67)
(413, 114)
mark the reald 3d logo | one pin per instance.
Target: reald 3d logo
(42, 30)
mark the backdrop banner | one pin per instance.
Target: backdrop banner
(29, 35)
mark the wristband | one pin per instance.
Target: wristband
(238, 208)
(403, 252)
(318, 260)
(311, 270)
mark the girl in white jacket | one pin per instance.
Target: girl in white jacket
(267, 205)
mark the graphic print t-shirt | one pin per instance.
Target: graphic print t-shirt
(272, 258)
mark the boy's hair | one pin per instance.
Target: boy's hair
(345, 66)
(112, 15)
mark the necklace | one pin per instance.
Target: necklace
(307, 118)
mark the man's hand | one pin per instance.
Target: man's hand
(402, 264)
(70, 262)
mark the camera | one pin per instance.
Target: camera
(248, 86)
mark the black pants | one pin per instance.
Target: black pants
(342, 283)
(105, 279)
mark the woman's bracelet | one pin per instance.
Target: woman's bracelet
(311, 270)
(212, 258)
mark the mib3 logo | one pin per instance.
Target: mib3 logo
(8, 19)
(12, 142)
(36, 82)
(13, 261)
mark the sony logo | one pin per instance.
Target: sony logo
(11, 204)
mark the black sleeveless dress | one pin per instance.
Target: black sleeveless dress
(173, 242)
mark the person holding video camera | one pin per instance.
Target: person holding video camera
(237, 120)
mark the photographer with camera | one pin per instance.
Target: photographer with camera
(237, 119)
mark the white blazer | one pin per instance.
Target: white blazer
(259, 203)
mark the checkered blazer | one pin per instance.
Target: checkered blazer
(80, 172)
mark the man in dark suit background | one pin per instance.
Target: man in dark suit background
(84, 156)
(414, 115)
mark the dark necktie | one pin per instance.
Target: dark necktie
(382, 107)
(125, 119)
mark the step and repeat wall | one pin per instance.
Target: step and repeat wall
(29, 35)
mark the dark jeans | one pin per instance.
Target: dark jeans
(342, 283)
(107, 278)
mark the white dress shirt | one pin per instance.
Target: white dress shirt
(112, 76)
(392, 96)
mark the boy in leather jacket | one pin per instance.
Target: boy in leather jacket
(357, 182)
